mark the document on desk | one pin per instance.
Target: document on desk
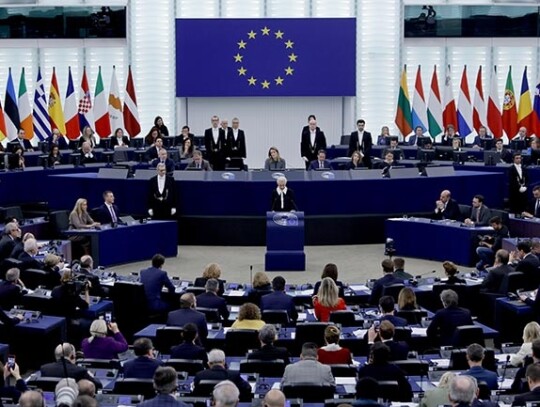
(304, 292)
(275, 386)
(235, 308)
(236, 293)
(506, 384)
(441, 363)
(501, 357)
(417, 331)
(359, 333)
(302, 316)
(359, 287)
(345, 380)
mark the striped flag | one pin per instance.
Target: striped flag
(25, 112)
(465, 126)
(131, 112)
(434, 112)
(509, 114)
(479, 108)
(419, 109)
(115, 104)
(494, 118)
(71, 112)
(3, 131)
(41, 116)
(403, 113)
(11, 111)
(86, 113)
(525, 113)
(56, 114)
(536, 113)
(103, 124)
(449, 112)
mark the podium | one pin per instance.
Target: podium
(285, 242)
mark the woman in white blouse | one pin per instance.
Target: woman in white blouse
(531, 332)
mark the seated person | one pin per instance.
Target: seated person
(186, 149)
(531, 333)
(87, 155)
(198, 162)
(482, 135)
(533, 209)
(166, 386)
(56, 139)
(392, 149)
(153, 151)
(451, 271)
(278, 300)
(321, 162)
(11, 289)
(210, 299)
(493, 282)
(16, 159)
(524, 260)
(533, 380)
(89, 136)
(439, 395)
(480, 213)
(445, 321)
(118, 139)
(506, 155)
(332, 353)
(381, 139)
(211, 270)
(28, 256)
(475, 356)
(18, 249)
(367, 393)
(327, 300)
(185, 135)
(449, 135)
(24, 143)
(187, 313)
(259, 286)
(107, 212)
(308, 370)
(386, 164)
(356, 161)
(407, 300)
(163, 157)
(101, 346)
(66, 299)
(387, 279)
(267, 336)
(399, 269)
(330, 270)
(456, 144)
(151, 138)
(418, 132)
(387, 308)
(446, 207)
(274, 162)
(52, 264)
(54, 158)
(385, 333)
(145, 364)
(189, 349)
(491, 244)
(249, 317)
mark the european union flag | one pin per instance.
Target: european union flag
(266, 57)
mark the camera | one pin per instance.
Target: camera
(77, 285)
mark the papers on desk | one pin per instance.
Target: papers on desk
(359, 287)
(501, 357)
(441, 363)
(235, 308)
(359, 333)
(417, 331)
(227, 329)
(506, 384)
(310, 311)
(302, 316)
(293, 335)
(345, 380)
(276, 386)
(236, 293)
(304, 292)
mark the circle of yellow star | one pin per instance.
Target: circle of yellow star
(251, 35)
(289, 44)
(242, 44)
(265, 84)
(252, 81)
(241, 71)
(279, 35)
(289, 70)
(238, 58)
(293, 57)
(279, 80)
(265, 31)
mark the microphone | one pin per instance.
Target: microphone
(503, 374)
(425, 274)
(251, 274)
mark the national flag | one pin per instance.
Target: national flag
(434, 112)
(536, 113)
(41, 121)
(494, 118)
(56, 114)
(13, 121)
(509, 114)
(449, 112)
(86, 113)
(25, 112)
(525, 113)
(403, 113)
(464, 113)
(71, 113)
(479, 107)
(419, 109)
(3, 131)
(103, 123)
(115, 104)
(131, 112)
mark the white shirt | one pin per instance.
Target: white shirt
(161, 183)
(235, 134)
(120, 141)
(312, 136)
(111, 211)
(215, 134)
(519, 170)
(282, 193)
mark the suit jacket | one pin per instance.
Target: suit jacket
(529, 266)
(522, 399)
(308, 372)
(444, 324)
(388, 372)
(189, 351)
(27, 145)
(236, 148)
(398, 350)
(484, 375)
(161, 203)
(517, 200)
(396, 321)
(307, 149)
(60, 142)
(153, 280)
(484, 216)
(114, 141)
(7, 244)
(531, 208)
(220, 373)
(450, 212)
(315, 165)
(376, 291)
(10, 295)
(278, 300)
(363, 145)
(169, 164)
(412, 140)
(88, 160)
(29, 262)
(270, 352)
(201, 282)
(211, 300)
(56, 369)
(152, 153)
(164, 400)
(142, 367)
(205, 165)
(183, 316)
(103, 215)
(215, 150)
(493, 281)
(289, 203)
(478, 140)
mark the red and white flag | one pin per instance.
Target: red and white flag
(131, 113)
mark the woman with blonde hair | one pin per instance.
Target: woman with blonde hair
(87, 135)
(101, 346)
(259, 286)
(211, 270)
(274, 162)
(327, 300)
(531, 332)
(249, 317)
(332, 353)
(439, 395)
(407, 300)
(79, 218)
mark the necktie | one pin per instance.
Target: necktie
(478, 215)
(320, 164)
(113, 215)
(537, 207)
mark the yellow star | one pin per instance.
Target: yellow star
(265, 84)
(293, 57)
(241, 71)
(279, 80)
(238, 58)
(251, 35)
(242, 44)
(279, 35)
(289, 44)
(265, 31)
(252, 81)
(289, 70)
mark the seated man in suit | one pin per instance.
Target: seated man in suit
(278, 300)
(10, 237)
(283, 197)
(505, 154)
(387, 308)
(489, 245)
(446, 207)
(475, 356)
(86, 272)
(87, 155)
(308, 371)
(445, 321)
(21, 141)
(387, 163)
(210, 299)
(533, 379)
(388, 278)
(218, 371)
(399, 269)
(267, 336)
(480, 213)
(482, 135)
(198, 162)
(145, 364)
(533, 210)
(108, 212)
(163, 157)
(522, 259)
(493, 281)
(11, 290)
(418, 132)
(385, 334)
(187, 313)
(56, 139)
(166, 386)
(154, 279)
(189, 349)
(394, 149)
(153, 152)
(321, 162)
(226, 394)
(65, 366)
(28, 256)
(462, 391)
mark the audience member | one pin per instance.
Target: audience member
(210, 299)
(249, 317)
(367, 393)
(101, 346)
(278, 300)
(533, 209)
(86, 273)
(330, 270)
(387, 307)
(66, 299)
(356, 161)
(407, 300)
(327, 300)
(445, 321)
(274, 162)
(163, 158)
(531, 332)
(8, 391)
(66, 392)
(86, 388)
(186, 149)
(28, 256)
(267, 352)
(57, 140)
(489, 245)
(462, 390)
(399, 350)
(480, 213)
(493, 282)
(145, 364)
(226, 394)
(308, 371)
(153, 151)
(475, 356)
(54, 158)
(19, 245)
(187, 313)
(211, 270)
(399, 269)
(11, 289)
(52, 264)
(165, 384)
(274, 398)
(189, 349)
(387, 279)
(87, 154)
(523, 260)
(88, 135)
(10, 237)
(118, 139)
(451, 271)
(533, 379)
(158, 124)
(439, 395)
(152, 136)
(85, 401)
(332, 353)
(154, 279)
(31, 398)
(446, 207)
(260, 286)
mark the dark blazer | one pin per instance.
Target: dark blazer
(215, 151)
(14, 144)
(531, 208)
(205, 165)
(141, 367)
(88, 160)
(529, 266)
(211, 300)
(444, 324)
(183, 316)
(388, 372)
(153, 280)
(161, 203)
(52, 160)
(103, 215)
(56, 369)
(478, 140)
(201, 282)
(398, 350)
(310, 151)
(29, 262)
(396, 321)
(189, 351)
(164, 400)
(522, 399)
(66, 303)
(60, 142)
(125, 140)
(17, 250)
(152, 153)
(315, 165)
(484, 217)
(350, 165)
(484, 375)
(450, 212)
(289, 202)
(363, 145)
(376, 291)
(270, 352)
(169, 164)
(10, 295)
(340, 285)
(278, 300)
(517, 200)
(220, 373)
(493, 281)
(6, 246)
(236, 148)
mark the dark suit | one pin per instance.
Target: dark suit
(531, 208)
(398, 350)
(169, 164)
(186, 315)
(529, 266)
(152, 153)
(164, 400)
(103, 215)
(29, 262)
(201, 282)
(189, 351)
(204, 165)
(396, 321)
(478, 140)
(376, 291)
(236, 148)
(289, 203)
(444, 324)
(15, 144)
(60, 142)
(270, 352)
(215, 151)
(388, 372)
(88, 158)
(522, 399)
(483, 217)
(141, 367)
(56, 369)
(211, 300)
(493, 281)
(517, 201)
(154, 280)
(309, 150)
(220, 373)
(364, 145)
(114, 141)
(278, 300)
(10, 295)
(315, 164)
(451, 211)
(483, 375)
(7, 244)
(162, 202)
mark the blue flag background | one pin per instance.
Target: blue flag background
(266, 57)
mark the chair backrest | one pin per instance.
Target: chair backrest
(44, 383)
(389, 390)
(205, 388)
(512, 281)
(402, 333)
(167, 337)
(310, 332)
(465, 211)
(276, 317)
(99, 363)
(211, 314)
(239, 341)
(310, 394)
(144, 387)
(190, 366)
(343, 370)
(458, 360)
(34, 277)
(413, 367)
(413, 317)
(393, 290)
(344, 140)
(8, 264)
(129, 299)
(344, 317)
(11, 212)
(196, 290)
(265, 368)
(59, 222)
(467, 334)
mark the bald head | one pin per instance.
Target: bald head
(226, 394)
(445, 195)
(86, 388)
(274, 398)
(462, 389)
(31, 399)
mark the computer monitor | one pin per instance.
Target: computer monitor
(518, 145)
(397, 153)
(423, 140)
(388, 139)
(487, 143)
(137, 142)
(492, 157)
(444, 153)
(425, 155)
(535, 157)
(459, 156)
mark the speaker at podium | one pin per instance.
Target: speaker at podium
(285, 241)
